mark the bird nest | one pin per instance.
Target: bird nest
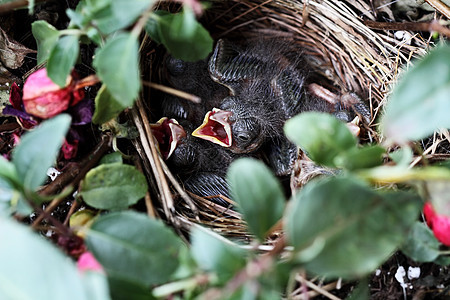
(346, 57)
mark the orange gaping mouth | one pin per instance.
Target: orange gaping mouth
(168, 134)
(216, 128)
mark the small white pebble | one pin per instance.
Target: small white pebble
(377, 272)
(53, 173)
(399, 275)
(413, 272)
(407, 38)
(399, 34)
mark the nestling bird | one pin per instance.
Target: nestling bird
(267, 82)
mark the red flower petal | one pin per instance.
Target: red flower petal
(87, 262)
(429, 213)
(441, 229)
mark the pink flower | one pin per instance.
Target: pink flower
(44, 99)
(87, 262)
(440, 224)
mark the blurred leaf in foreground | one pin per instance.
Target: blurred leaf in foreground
(22, 273)
(419, 103)
(258, 194)
(351, 220)
(321, 135)
(132, 247)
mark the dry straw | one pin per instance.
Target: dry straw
(347, 55)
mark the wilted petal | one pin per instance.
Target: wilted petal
(82, 112)
(45, 99)
(69, 150)
(15, 97)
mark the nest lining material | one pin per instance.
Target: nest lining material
(345, 53)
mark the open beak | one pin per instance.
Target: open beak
(216, 128)
(168, 134)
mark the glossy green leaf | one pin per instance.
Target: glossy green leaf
(258, 194)
(214, 254)
(22, 273)
(182, 35)
(117, 65)
(419, 102)
(46, 37)
(351, 220)
(321, 135)
(38, 150)
(62, 59)
(107, 107)
(113, 186)
(361, 158)
(133, 247)
(421, 245)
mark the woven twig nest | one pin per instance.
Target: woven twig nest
(346, 56)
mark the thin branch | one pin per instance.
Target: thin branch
(10, 6)
(172, 91)
(412, 26)
(440, 7)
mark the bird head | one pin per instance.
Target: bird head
(235, 126)
(168, 134)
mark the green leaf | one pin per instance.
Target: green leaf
(62, 59)
(352, 221)
(107, 107)
(117, 66)
(181, 34)
(361, 158)
(214, 253)
(110, 158)
(38, 150)
(321, 135)
(118, 14)
(258, 194)
(46, 37)
(132, 247)
(113, 186)
(421, 245)
(361, 292)
(439, 193)
(21, 274)
(8, 172)
(402, 157)
(419, 102)
(126, 289)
